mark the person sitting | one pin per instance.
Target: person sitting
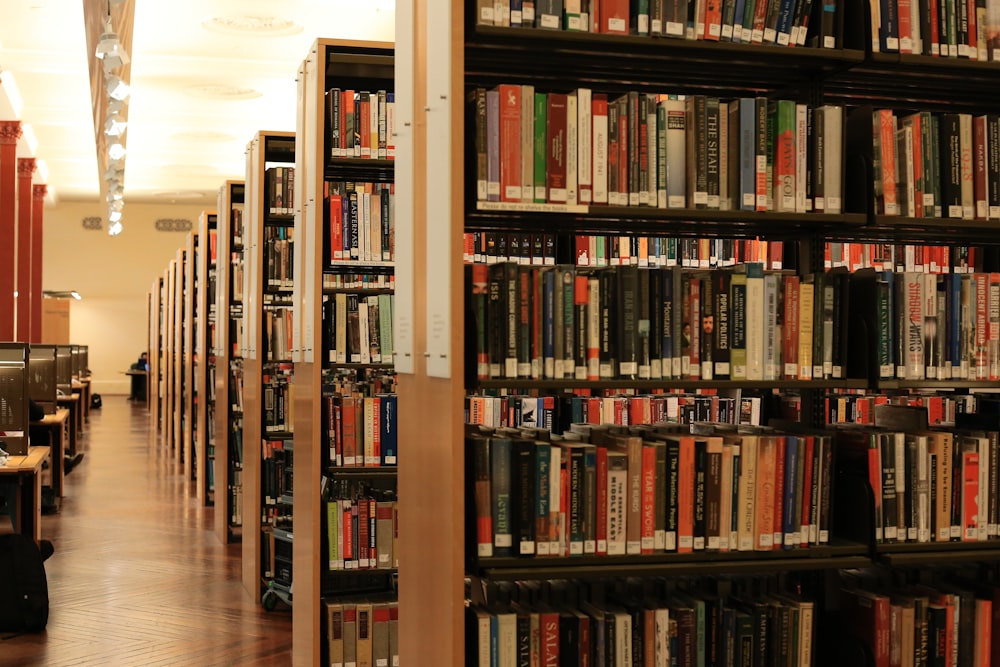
(138, 392)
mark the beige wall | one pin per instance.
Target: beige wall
(113, 274)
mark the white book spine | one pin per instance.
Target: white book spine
(571, 145)
(584, 152)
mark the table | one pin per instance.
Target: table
(140, 385)
(57, 426)
(72, 403)
(27, 475)
(82, 389)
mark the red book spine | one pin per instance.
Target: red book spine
(970, 491)
(981, 285)
(364, 118)
(346, 107)
(933, 38)
(648, 499)
(790, 332)
(685, 496)
(550, 639)
(510, 142)
(808, 475)
(555, 161)
(779, 492)
(336, 227)
(363, 534)
(614, 16)
(888, 142)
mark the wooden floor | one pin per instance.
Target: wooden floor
(138, 577)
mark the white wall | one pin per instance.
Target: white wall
(114, 275)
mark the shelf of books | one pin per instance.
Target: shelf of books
(206, 279)
(169, 357)
(672, 296)
(156, 313)
(345, 555)
(179, 387)
(191, 362)
(268, 252)
(227, 344)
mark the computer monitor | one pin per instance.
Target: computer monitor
(64, 369)
(77, 362)
(42, 376)
(14, 398)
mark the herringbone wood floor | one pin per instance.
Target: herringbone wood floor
(138, 577)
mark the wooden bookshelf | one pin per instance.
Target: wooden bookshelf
(206, 279)
(228, 421)
(169, 356)
(361, 66)
(190, 363)
(265, 149)
(155, 347)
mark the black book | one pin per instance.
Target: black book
(609, 326)
(951, 165)
(700, 493)
(719, 325)
(643, 328)
(523, 495)
(627, 321)
(497, 319)
(656, 320)
(333, 114)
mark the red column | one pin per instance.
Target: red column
(10, 131)
(25, 171)
(38, 193)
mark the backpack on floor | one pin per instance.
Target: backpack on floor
(24, 590)
(95, 401)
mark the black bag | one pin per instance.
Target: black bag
(95, 401)
(24, 590)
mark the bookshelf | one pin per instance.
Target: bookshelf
(446, 208)
(326, 275)
(170, 358)
(266, 367)
(155, 352)
(206, 279)
(190, 362)
(228, 426)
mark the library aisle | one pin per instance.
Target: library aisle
(138, 576)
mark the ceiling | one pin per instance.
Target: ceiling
(205, 76)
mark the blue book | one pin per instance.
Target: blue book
(738, 21)
(548, 324)
(388, 425)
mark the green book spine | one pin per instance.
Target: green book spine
(541, 106)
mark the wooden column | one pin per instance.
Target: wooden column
(10, 132)
(25, 172)
(38, 193)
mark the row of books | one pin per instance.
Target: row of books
(358, 280)
(741, 21)
(279, 255)
(361, 431)
(236, 330)
(945, 623)
(361, 534)
(936, 28)
(236, 276)
(279, 190)
(937, 165)
(665, 151)
(933, 486)
(277, 401)
(361, 632)
(357, 329)
(648, 490)
(597, 250)
(236, 504)
(364, 382)
(935, 326)
(236, 224)
(276, 472)
(558, 413)
(686, 627)
(277, 333)
(362, 224)
(629, 323)
(236, 386)
(902, 257)
(858, 408)
(361, 123)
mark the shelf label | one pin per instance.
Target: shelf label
(438, 283)
(402, 334)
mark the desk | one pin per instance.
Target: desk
(56, 425)
(82, 390)
(27, 473)
(72, 403)
(85, 399)
(140, 385)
